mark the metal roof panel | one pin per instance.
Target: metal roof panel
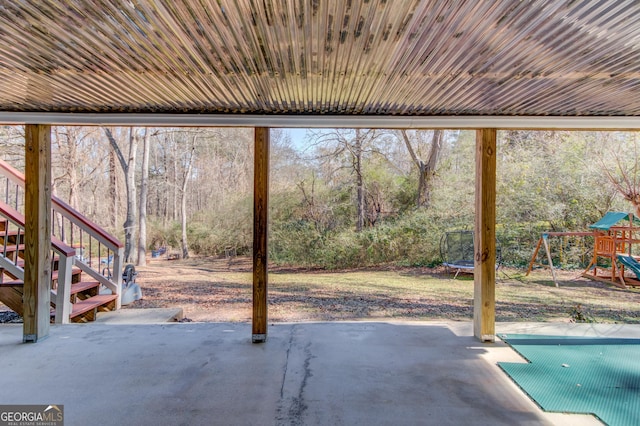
(357, 57)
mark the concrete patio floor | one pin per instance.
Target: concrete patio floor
(338, 373)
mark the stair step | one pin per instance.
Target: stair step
(86, 305)
(12, 247)
(20, 263)
(74, 271)
(11, 235)
(83, 286)
(75, 287)
(11, 232)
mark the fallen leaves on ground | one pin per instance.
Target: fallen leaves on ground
(219, 290)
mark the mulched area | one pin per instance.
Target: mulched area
(9, 317)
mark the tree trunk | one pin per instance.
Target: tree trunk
(183, 204)
(113, 189)
(174, 212)
(144, 190)
(130, 222)
(426, 170)
(357, 154)
(183, 212)
(165, 206)
(128, 166)
(72, 173)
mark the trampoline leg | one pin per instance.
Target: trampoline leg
(456, 275)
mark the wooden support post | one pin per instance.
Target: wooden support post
(484, 309)
(37, 255)
(260, 225)
(534, 257)
(545, 241)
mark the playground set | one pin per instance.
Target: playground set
(614, 259)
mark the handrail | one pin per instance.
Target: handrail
(105, 241)
(60, 297)
(69, 212)
(12, 173)
(18, 218)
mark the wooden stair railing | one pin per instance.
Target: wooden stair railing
(98, 253)
(109, 259)
(61, 297)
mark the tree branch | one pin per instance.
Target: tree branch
(116, 148)
(415, 158)
(436, 143)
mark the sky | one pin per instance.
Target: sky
(297, 136)
(298, 139)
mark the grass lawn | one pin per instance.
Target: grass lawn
(214, 290)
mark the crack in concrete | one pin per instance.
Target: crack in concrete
(298, 405)
(291, 408)
(286, 363)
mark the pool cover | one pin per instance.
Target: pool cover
(579, 375)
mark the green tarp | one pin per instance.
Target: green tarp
(611, 219)
(580, 375)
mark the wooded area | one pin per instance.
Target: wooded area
(339, 197)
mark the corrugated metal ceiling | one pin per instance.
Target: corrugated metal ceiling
(353, 57)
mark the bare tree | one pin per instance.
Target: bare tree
(76, 161)
(349, 146)
(113, 189)
(174, 210)
(129, 167)
(12, 142)
(625, 177)
(144, 191)
(426, 169)
(183, 199)
(356, 153)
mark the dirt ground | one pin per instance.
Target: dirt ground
(207, 289)
(220, 290)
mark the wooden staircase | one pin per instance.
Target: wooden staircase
(85, 298)
(79, 289)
